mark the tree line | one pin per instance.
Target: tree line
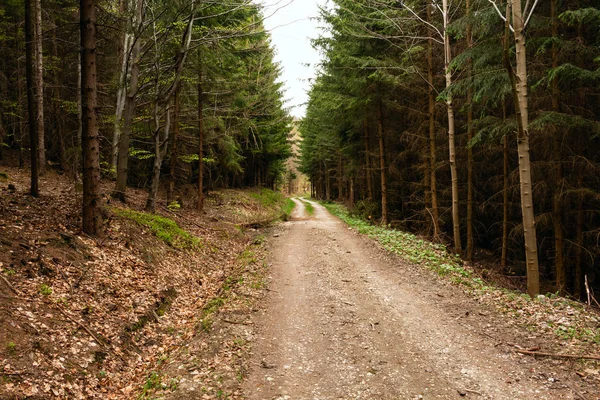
(471, 122)
(141, 92)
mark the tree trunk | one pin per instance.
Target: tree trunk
(579, 245)
(39, 84)
(432, 147)
(121, 96)
(470, 245)
(160, 147)
(380, 136)
(130, 103)
(368, 161)
(90, 142)
(200, 205)
(504, 194)
(533, 278)
(340, 180)
(31, 98)
(174, 150)
(451, 132)
(56, 108)
(557, 207)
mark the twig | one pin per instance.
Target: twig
(575, 356)
(12, 288)
(472, 391)
(587, 289)
(236, 322)
(85, 328)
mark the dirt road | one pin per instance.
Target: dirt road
(345, 320)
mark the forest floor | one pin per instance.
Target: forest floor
(118, 317)
(346, 319)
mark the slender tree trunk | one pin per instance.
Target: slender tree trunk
(533, 278)
(451, 131)
(327, 183)
(579, 275)
(557, 207)
(470, 244)
(56, 109)
(504, 194)
(90, 142)
(160, 147)
(340, 179)
(200, 205)
(31, 98)
(78, 139)
(368, 161)
(432, 147)
(130, 103)
(382, 167)
(174, 150)
(121, 96)
(39, 84)
(351, 194)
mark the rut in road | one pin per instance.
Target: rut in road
(344, 320)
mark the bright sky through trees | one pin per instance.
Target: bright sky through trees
(292, 26)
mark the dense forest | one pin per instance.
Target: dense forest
(149, 94)
(474, 123)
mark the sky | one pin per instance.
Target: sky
(291, 28)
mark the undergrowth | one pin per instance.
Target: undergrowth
(163, 228)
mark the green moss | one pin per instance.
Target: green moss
(163, 228)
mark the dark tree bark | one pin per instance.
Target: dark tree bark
(382, 166)
(33, 137)
(90, 142)
(39, 85)
(200, 205)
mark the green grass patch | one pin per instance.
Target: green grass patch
(310, 209)
(268, 198)
(411, 248)
(288, 207)
(163, 228)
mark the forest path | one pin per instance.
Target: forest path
(345, 320)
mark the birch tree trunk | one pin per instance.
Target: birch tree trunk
(451, 131)
(90, 141)
(432, 147)
(129, 109)
(533, 278)
(121, 96)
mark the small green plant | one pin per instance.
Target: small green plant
(206, 324)
(174, 206)
(11, 347)
(152, 382)
(45, 290)
(3, 176)
(163, 228)
(102, 374)
(10, 272)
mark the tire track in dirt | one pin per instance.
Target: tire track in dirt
(345, 321)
